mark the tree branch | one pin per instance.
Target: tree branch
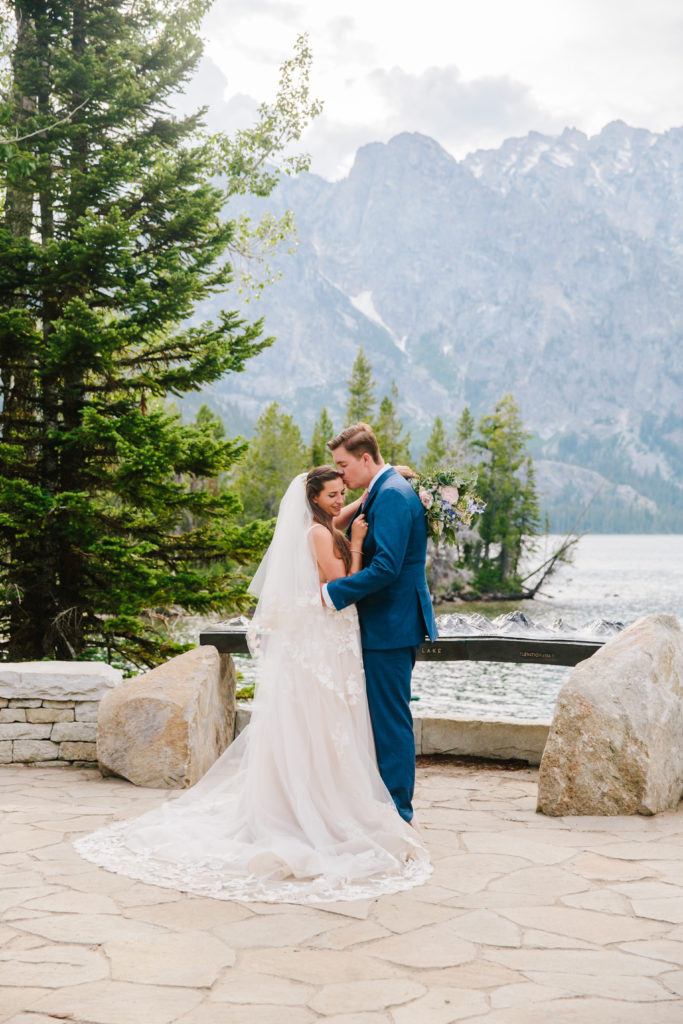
(47, 128)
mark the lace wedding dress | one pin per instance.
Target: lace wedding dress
(295, 809)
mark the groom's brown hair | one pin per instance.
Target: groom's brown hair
(357, 439)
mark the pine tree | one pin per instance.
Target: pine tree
(437, 447)
(462, 449)
(455, 451)
(110, 235)
(276, 454)
(506, 483)
(464, 428)
(206, 417)
(323, 431)
(361, 404)
(394, 444)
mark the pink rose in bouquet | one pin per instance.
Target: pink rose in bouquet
(449, 494)
(425, 497)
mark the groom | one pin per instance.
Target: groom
(394, 607)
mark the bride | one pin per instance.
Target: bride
(295, 809)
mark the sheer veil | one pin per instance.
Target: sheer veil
(286, 582)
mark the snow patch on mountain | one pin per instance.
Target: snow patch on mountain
(364, 304)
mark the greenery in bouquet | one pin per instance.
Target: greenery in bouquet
(448, 501)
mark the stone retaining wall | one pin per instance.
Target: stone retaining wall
(500, 740)
(48, 711)
(47, 731)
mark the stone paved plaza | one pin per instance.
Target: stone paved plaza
(526, 920)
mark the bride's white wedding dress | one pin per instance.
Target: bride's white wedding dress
(295, 809)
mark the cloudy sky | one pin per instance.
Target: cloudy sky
(468, 74)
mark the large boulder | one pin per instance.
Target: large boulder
(616, 742)
(165, 729)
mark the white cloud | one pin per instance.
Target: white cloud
(206, 89)
(468, 74)
(333, 144)
(209, 88)
(460, 115)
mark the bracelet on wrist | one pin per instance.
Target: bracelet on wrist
(357, 551)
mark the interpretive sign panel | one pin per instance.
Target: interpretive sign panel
(531, 651)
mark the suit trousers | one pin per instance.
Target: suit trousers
(387, 681)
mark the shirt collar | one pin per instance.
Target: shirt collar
(378, 474)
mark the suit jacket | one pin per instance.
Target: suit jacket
(390, 591)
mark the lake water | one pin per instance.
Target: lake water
(615, 577)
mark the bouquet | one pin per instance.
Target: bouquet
(447, 501)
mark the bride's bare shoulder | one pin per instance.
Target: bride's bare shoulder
(321, 537)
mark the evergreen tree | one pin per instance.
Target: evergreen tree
(462, 450)
(437, 447)
(506, 483)
(361, 404)
(464, 428)
(206, 417)
(276, 454)
(394, 444)
(110, 235)
(323, 431)
(455, 451)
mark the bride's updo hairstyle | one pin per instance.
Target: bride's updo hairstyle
(315, 482)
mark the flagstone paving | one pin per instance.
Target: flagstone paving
(525, 920)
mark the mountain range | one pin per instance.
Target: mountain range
(551, 268)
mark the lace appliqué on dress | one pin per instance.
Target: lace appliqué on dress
(107, 849)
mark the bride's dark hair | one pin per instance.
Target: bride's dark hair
(315, 482)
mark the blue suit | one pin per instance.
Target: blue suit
(396, 614)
